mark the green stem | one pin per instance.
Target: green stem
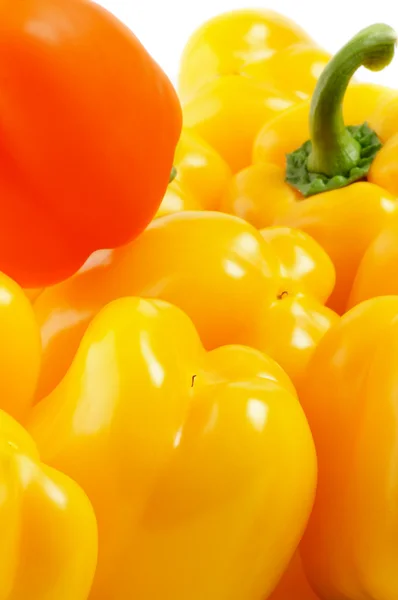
(334, 150)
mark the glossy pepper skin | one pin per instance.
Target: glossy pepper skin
(88, 137)
(201, 176)
(218, 269)
(48, 541)
(228, 113)
(349, 396)
(378, 270)
(226, 44)
(20, 349)
(344, 221)
(173, 445)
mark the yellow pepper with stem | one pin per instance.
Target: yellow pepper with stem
(200, 466)
(238, 285)
(337, 207)
(48, 539)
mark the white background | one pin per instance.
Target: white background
(164, 26)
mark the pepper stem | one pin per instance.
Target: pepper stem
(334, 150)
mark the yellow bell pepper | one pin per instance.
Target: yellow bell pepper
(233, 78)
(344, 221)
(201, 176)
(237, 285)
(349, 394)
(21, 349)
(295, 68)
(48, 539)
(226, 44)
(200, 467)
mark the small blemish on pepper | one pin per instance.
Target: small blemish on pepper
(193, 380)
(282, 295)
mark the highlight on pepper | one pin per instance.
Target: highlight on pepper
(198, 311)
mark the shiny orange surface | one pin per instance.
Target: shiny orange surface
(349, 396)
(48, 541)
(200, 467)
(89, 128)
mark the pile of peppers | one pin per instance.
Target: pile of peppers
(199, 312)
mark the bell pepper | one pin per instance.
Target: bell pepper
(258, 194)
(48, 541)
(218, 269)
(200, 467)
(226, 44)
(377, 272)
(295, 68)
(21, 349)
(201, 176)
(341, 212)
(229, 112)
(350, 549)
(233, 78)
(89, 128)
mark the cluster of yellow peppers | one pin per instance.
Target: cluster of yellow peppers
(210, 412)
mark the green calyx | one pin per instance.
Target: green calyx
(173, 174)
(308, 183)
(338, 155)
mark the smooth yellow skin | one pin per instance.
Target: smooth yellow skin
(48, 541)
(293, 69)
(177, 199)
(384, 118)
(384, 169)
(215, 267)
(258, 194)
(295, 321)
(201, 170)
(225, 44)
(378, 271)
(350, 395)
(230, 111)
(289, 130)
(202, 477)
(20, 349)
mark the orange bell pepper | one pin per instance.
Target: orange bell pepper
(378, 270)
(89, 128)
(21, 349)
(48, 541)
(349, 396)
(344, 221)
(218, 269)
(200, 467)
